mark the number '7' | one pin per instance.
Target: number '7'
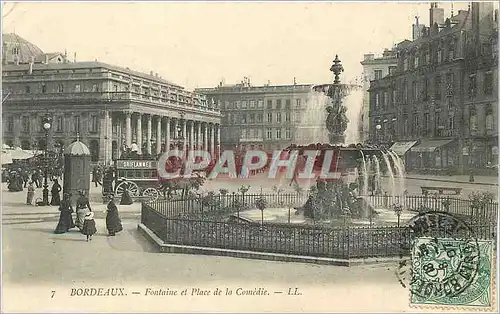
(53, 293)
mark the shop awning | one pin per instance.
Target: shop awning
(430, 146)
(400, 148)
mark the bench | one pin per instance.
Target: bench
(427, 189)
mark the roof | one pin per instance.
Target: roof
(27, 50)
(77, 148)
(49, 55)
(88, 65)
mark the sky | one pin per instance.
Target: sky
(198, 44)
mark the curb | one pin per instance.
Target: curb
(163, 247)
(452, 181)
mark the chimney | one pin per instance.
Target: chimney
(74, 58)
(417, 29)
(369, 56)
(151, 73)
(436, 15)
(156, 74)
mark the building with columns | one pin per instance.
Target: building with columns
(106, 105)
(261, 117)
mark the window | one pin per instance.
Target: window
(450, 83)
(472, 86)
(243, 118)
(472, 120)
(278, 134)
(60, 88)
(405, 64)
(439, 56)
(59, 125)
(269, 117)
(10, 124)
(288, 133)
(95, 88)
(425, 127)
(415, 61)
(427, 58)
(489, 118)
(297, 117)
(386, 99)
(288, 104)
(297, 103)
(414, 125)
(394, 98)
(451, 122)
(269, 134)
(269, 104)
(392, 70)
(405, 125)
(287, 117)
(76, 124)
(488, 83)
(252, 118)
(27, 89)
(94, 124)
(259, 133)
(259, 118)
(425, 92)
(77, 88)
(278, 104)
(252, 104)
(244, 133)
(115, 88)
(415, 90)
(451, 52)
(437, 87)
(15, 50)
(260, 104)
(278, 117)
(26, 124)
(377, 100)
(44, 88)
(244, 104)
(378, 74)
(437, 124)
(405, 93)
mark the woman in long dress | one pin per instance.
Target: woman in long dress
(126, 199)
(31, 194)
(56, 198)
(113, 222)
(89, 228)
(82, 208)
(65, 219)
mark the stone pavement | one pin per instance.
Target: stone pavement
(37, 262)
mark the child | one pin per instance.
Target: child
(89, 225)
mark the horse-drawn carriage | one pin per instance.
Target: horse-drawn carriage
(140, 177)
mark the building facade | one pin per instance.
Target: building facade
(108, 107)
(264, 117)
(439, 108)
(374, 68)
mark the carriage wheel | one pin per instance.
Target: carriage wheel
(133, 189)
(152, 193)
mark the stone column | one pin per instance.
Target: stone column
(17, 130)
(205, 137)
(158, 135)
(128, 128)
(218, 140)
(139, 132)
(199, 142)
(105, 136)
(148, 134)
(167, 134)
(176, 133)
(191, 136)
(184, 135)
(212, 139)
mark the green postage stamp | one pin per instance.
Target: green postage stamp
(449, 272)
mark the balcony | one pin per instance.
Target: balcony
(109, 97)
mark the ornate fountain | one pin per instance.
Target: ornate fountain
(333, 198)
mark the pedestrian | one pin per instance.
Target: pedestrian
(82, 208)
(126, 199)
(31, 194)
(34, 178)
(56, 198)
(113, 222)
(65, 219)
(89, 228)
(107, 182)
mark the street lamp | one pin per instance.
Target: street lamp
(46, 127)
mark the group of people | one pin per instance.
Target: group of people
(84, 220)
(19, 177)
